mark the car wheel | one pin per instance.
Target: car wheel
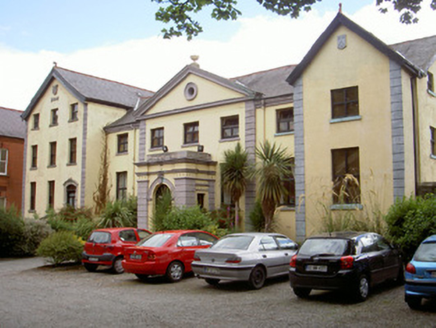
(117, 267)
(361, 291)
(90, 267)
(413, 302)
(175, 271)
(212, 282)
(257, 278)
(142, 277)
(302, 292)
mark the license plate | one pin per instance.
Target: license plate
(136, 256)
(316, 268)
(433, 274)
(93, 259)
(211, 270)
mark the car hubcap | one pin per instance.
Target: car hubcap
(176, 272)
(364, 288)
(118, 266)
(258, 277)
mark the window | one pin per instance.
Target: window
(285, 120)
(2, 202)
(433, 141)
(34, 162)
(73, 151)
(32, 196)
(128, 235)
(74, 112)
(345, 102)
(51, 193)
(230, 127)
(430, 82)
(52, 159)
(71, 195)
(268, 244)
(54, 117)
(123, 143)
(121, 185)
(3, 161)
(191, 133)
(35, 121)
(200, 200)
(157, 138)
(346, 176)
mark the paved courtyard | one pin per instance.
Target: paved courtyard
(35, 295)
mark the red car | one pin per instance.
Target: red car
(106, 247)
(168, 253)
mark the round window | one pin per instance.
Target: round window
(190, 91)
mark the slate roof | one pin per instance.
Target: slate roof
(270, 83)
(87, 88)
(11, 124)
(421, 52)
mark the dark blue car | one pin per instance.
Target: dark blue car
(421, 274)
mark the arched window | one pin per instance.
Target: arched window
(71, 195)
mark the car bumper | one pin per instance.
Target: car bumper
(103, 259)
(148, 268)
(341, 280)
(235, 273)
(423, 288)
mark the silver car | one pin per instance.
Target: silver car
(250, 256)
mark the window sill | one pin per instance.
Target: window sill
(34, 129)
(433, 156)
(346, 207)
(346, 119)
(187, 145)
(71, 164)
(51, 166)
(52, 125)
(33, 168)
(287, 133)
(122, 154)
(75, 120)
(156, 149)
(431, 93)
(230, 139)
(287, 208)
(32, 211)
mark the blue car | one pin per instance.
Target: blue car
(420, 274)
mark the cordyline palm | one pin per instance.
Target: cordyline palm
(272, 169)
(234, 172)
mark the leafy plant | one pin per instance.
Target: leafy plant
(61, 246)
(34, 232)
(119, 213)
(257, 218)
(11, 231)
(161, 210)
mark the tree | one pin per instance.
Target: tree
(274, 167)
(181, 12)
(101, 195)
(234, 172)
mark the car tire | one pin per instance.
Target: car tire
(142, 277)
(361, 290)
(212, 282)
(117, 266)
(413, 302)
(302, 292)
(175, 271)
(257, 278)
(90, 267)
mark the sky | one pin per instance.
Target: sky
(121, 41)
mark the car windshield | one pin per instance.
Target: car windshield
(426, 253)
(234, 242)
(100, 237)
(156, 240)
(326, 247)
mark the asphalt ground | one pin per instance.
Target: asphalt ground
(33, 294)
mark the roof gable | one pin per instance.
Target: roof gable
(341, 20)
(87, 88)
(182, 75)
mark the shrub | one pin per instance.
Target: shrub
(161, 210)
(120, 213)
(257, 218)
(11, 232)
(83, 227)
(34, 232)
(61, 246)
(410, 221)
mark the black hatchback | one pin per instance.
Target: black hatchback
(350, 261)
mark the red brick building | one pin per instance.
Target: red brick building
(12, 136)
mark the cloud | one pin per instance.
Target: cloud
(260, 43)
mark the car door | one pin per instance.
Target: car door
(374, 257)
(287, 248)
(271, 255)
(391, 258)
(187, 244)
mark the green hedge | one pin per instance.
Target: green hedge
(61, 246)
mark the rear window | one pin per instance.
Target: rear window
(100, 237)
(234, 242)
(324, 247)
(426, 253)
(157, 240)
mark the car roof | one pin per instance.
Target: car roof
(340, 234)
(255, 234)
(114, 229)
(180, 231)
(430, 239)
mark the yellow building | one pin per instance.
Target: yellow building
(65, 137)
(356, 115)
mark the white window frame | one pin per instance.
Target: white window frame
(4, 161)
